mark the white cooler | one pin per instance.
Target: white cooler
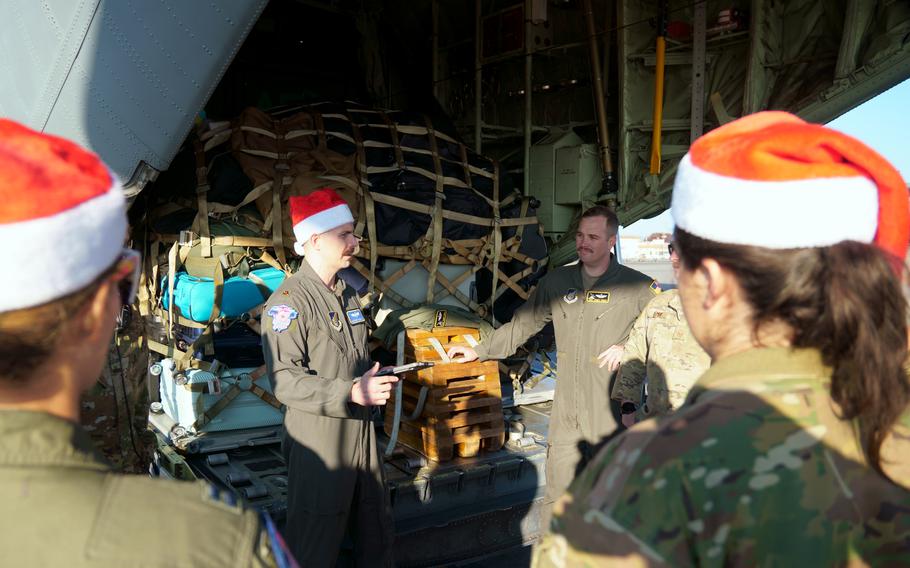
(229, 399)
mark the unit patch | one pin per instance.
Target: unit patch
(597, 297)
(282, 316)
(655, 287)
(355, 316)
(571, 296)
(335, 320)
(441, 316)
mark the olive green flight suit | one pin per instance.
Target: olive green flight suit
(586, 322)
(755, 469)
(315, 345)
(64, 506)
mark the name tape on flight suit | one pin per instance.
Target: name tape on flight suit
(355, 316)
(597, 297)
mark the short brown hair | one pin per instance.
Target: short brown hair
(606, 212)
(28, 337)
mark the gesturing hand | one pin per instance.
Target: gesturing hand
(465, 353)
(371, 390)
(612, 357)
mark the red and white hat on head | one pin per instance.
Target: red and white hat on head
(316, 213)
(62, 217)
(773, 180)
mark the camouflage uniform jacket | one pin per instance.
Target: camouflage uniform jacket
(661, 348)
(754, 470)
(63, 506)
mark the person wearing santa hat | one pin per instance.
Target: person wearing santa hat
(314, 338)
(65, 277)
(794, 447)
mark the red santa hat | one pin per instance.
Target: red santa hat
(62, 217)
(773, 180)
(318, 212)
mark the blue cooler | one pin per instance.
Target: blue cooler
(195, 296)
(187, 395)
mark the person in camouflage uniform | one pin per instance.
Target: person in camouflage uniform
(69, 275)
(793, 449)
(661, 351)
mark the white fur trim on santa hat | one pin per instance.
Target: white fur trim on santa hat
(50, 257)
(323, 221)
(774, 214)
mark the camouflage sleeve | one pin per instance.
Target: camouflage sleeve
(631, 378)
(618, 514)
(527, 320)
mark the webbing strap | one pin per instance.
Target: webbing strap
(451, 215)
(452, 288)
(368, 205)
(386, 290)
(497, 239)
(277, 221)
(202, 188)
(396, 145)
(171, 275)
(252, 196)
(436, 221)
(182, 359)
(437, 347)
(257, 242)
(218, 281)
(320, 130)
(221, 404)
(234, 392)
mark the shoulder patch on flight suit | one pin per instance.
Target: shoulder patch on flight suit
(440, 320)
(355, 316)
(655, 287)
(335, 320)
(571, 296)
(597, 297)
(282, 316)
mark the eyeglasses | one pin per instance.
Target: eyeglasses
(671, 248)
(126, 275)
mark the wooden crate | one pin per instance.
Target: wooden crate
(462, 412)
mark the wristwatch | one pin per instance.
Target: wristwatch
(628, 408)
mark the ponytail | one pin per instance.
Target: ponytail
(845, 301)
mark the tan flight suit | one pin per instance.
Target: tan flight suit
(660, 347)
(64, 506)
(315, 345)
(586, 322)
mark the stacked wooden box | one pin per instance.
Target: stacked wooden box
(462, 410)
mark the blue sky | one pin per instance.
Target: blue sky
(883, 123)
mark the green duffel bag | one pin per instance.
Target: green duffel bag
(233, 260)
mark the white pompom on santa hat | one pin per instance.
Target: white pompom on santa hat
(772, 180)
(317, 212)
(62, 217)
